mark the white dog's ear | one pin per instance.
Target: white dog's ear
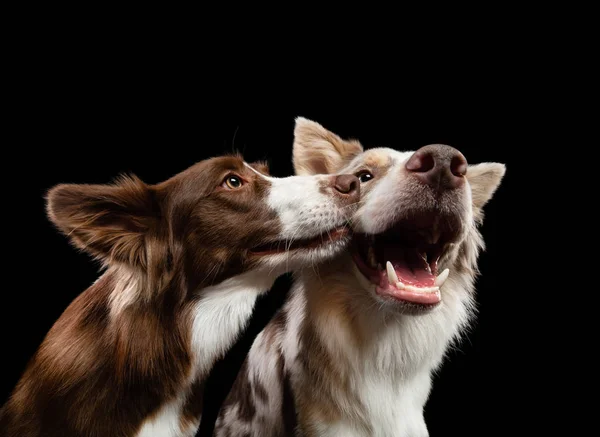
(484, 179)
(319, 151)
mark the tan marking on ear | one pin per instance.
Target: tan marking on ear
(319, 151)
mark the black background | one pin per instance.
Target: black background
(84, 110)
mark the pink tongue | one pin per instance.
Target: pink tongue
(418, 278)
(410, 267)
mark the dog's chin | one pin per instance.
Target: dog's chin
(399, 266)
(300, 253)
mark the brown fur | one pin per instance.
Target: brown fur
(116, 355)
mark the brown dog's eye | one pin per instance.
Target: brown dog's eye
(232, 182)
(364, 176)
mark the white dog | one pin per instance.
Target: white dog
(353, 350)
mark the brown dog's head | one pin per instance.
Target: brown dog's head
(416, 236)
(219, 218)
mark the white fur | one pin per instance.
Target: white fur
(301, 205)
(295, 309)
(392, 376)
(375, 215)
(218, 317)
(391, 409)
(167, 423)
(221, 314)
(395, 409)
(269, 379)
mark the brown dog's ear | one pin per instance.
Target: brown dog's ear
(110, 222)
(319, 151)
(484, 180)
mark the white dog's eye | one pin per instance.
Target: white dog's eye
(364, 176)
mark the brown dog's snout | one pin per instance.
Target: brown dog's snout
(438, 166)
(348, 187)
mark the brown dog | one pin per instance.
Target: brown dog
(185, 261)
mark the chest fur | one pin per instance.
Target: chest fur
(217, 318)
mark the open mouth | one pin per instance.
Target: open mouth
(281, 246)
(402, 262)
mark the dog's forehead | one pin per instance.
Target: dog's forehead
(261, 167)
(258, 171)
(214, 166)
(379, 158)
(236, 163)
(232, 162)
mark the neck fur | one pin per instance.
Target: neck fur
(211, 320)
(361, 336)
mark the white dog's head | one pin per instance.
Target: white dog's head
(416, 227)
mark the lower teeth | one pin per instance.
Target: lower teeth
(401, 286)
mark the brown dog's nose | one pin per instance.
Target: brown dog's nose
(438, 166)
(348, 185)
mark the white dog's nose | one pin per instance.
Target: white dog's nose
(439, 166)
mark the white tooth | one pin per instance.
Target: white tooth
(439, 281)
(392, 277)
(420, 289)
(400, 285)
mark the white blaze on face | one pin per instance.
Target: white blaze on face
(304, 206)
(379, 196)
